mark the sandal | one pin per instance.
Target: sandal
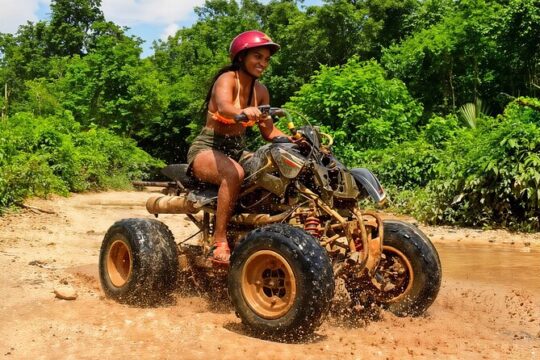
(219, 253)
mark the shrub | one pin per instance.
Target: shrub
(489, 176)
(44, 155)
(405, 166)
(362, 109)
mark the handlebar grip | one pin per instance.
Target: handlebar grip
(272, 111)
(241, 118)
(265, 109)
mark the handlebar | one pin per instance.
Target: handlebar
(274, 112)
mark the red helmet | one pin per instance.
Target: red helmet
(251, 39)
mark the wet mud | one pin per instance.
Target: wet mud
(488, 306)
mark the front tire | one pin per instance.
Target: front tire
(138, 262)
(281, 282)
(408, 279)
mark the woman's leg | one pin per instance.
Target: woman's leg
(215, 167)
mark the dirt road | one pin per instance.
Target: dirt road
(488, 306)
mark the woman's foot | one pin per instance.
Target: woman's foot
(220, 253)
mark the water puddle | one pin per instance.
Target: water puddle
(497, 265)
(518, 268)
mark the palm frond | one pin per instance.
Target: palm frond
(471, 112)
(468, 113)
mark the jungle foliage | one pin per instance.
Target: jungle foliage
(484, 176)
(386, 78)
(53, 154)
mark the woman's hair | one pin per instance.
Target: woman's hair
(235, 66)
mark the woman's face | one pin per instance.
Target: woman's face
(256, 61)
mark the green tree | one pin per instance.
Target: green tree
(387, 23)
(111, 86)
(455, 54)
(517, 39)
(71, 27)
(329, 35)
(478, 50)
(23, 57)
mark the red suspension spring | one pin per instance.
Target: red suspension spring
(311, 226)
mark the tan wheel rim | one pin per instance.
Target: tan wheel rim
(119, 263)
(397, 269)
(268, 284)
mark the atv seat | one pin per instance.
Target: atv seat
(179, 172)
(200, 193)
(182, 173)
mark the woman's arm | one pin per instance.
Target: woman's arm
(266, 125)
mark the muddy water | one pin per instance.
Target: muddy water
(518, 268)
(506, 266)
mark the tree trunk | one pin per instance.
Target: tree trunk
(5, 105)
(450, 76)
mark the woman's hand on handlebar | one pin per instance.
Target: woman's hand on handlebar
(259, 114)
(252, 113)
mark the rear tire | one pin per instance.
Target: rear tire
(281, 282)
(138, 262)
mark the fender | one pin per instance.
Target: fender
(367, 181)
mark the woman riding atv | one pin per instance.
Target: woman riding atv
(215, 152)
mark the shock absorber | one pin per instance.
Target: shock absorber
(312, 226)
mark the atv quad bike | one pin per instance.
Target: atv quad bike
(297, 227)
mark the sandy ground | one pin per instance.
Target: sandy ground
(472, 318)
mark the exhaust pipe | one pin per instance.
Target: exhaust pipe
(165, 204)
(170, 205)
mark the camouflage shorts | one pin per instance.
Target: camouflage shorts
(232, 146)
